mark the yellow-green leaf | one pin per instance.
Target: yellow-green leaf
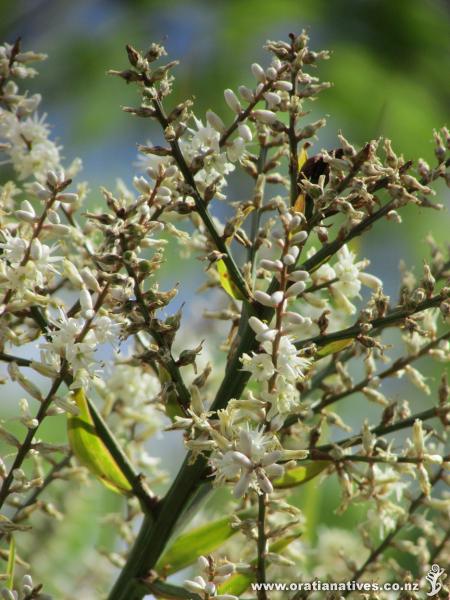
(226, 281)
(168, 591)
(89, 448)
(333, 347)
(322, 262)
(224, 276)
(299, 205)
(302, 158)
(200, 541)
(238, 583)
(11, 564)
(301, 474)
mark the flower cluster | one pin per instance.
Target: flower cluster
(206, 587)
(253, 387)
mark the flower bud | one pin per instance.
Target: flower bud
(296, 289)
(258, 73)
(299, 237)
(86, 303)
(245, 132)
(232, 100)
(142, 185)
(265, 116)
(271, 265)
(215, 121)
(298, 275)
(285, 86)
(246, 93)
(89, 280)
(67, 197)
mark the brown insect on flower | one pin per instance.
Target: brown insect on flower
(311, 169)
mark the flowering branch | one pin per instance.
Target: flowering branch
(439, 412)
(27, 442)
(250, 405)
(378, 551)
(397, 366)
(396, 315)
(201, 205)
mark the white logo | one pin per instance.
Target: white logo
(433, 576)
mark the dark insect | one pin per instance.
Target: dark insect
(311, 170)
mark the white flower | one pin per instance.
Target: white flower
(206, 589)
(43, 259)
(14, 248)
(31, 151)
(260, 366)
(67, 329)
(236, 149)
(131, 384)
(106, 330)
(289, 364)
(80, 355)
(253, 460)
(350, 276)
(283, 401)
(347, 272)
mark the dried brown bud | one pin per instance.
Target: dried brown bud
(133, 55)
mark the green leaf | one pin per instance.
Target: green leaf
(226, 281)
(90, 450)
(11, 563)
(334, 347)
(200, 541)
(238, 583)
(301, 474)
(161, 589)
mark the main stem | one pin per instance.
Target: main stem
(262, 542)
(154, 535)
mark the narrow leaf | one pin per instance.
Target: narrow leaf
(226, 281)
(334, 347)
(89, 448)
(302, 158)
(161, 589)
(200, 541)
(11, 563)
(299, 205)
(238, 583)
(322, 262)
(301, 474)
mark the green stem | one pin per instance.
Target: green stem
(261, 545)
(202, 209)
(392, 318)
(432, 413)
(153, 537)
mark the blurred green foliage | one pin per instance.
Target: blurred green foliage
(389, 67)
